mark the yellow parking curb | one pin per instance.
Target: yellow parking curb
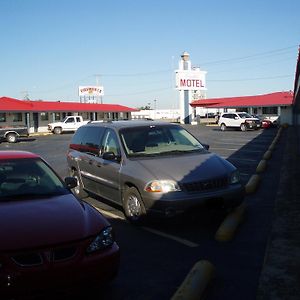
(252, 184)
(272, 147)
(195, 282)
(261, 167)
(267, 155)
(230, 224)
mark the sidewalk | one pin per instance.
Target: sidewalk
(280, 276)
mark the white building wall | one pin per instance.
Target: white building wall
(157, 114)
(286, 115)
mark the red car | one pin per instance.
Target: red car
(49, 238)
(266, 123)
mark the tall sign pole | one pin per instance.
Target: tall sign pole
(184, 95)
(188, 80)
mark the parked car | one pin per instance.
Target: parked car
(150, 168)
(266, 122)
(240, 120)
(49, 238)
(68, 124)
(12, 133)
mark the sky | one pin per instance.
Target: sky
(51, 47)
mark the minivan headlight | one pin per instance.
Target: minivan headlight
(235, 177)
(162, 186)
(103, 240)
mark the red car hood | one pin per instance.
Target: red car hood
(41, 222)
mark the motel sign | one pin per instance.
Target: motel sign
(190, 80)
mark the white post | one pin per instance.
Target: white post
(186, 110)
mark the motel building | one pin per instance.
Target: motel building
(37, 114)
(275, 106)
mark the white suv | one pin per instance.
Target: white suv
(240, 120)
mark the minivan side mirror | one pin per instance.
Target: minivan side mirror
(111, 156)
(205, 146)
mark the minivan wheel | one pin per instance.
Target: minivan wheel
(78, 190)
(223, 127)
(134, 208)
(243, 127)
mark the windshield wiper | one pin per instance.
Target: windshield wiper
(144, 154)
(180, 151)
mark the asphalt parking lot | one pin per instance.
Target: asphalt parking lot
(156, 257)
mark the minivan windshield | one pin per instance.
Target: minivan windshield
(157, 140)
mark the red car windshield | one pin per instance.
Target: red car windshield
(25, 178)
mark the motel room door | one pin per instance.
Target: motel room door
(35, 122)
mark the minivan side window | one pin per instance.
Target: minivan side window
(87, 139)
(110, 143)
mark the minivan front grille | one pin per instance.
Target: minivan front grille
(206, 185)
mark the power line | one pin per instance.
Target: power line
(249, 79)
(272, 52)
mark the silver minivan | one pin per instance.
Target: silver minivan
(150, 168)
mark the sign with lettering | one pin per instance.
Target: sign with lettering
(190, 80)
(90, 91)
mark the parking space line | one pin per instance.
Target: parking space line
(169, 236)
(109, 214)
(241, 159)
(245, 174)
(172, 237)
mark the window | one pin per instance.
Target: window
(227, 116)
(57, 116)
(87, 139)
(110, 143)
(17, 117)
(44, 116)
(2, 117)
(70, 120)
(270, 110)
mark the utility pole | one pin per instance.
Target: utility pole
(97, 84)
(155, 108)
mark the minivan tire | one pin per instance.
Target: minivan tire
(133, 205)
(78, 190)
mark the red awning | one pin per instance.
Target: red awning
(273, 99)
(10, 104)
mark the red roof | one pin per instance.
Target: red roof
(273, 99)
(11, 104)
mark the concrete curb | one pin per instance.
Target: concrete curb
(267, 155)
(261, 167)
(230, 224)
(252, 184)
(195, 282)
(39, 134)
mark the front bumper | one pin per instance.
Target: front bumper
(175, 203)
(97, 268)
